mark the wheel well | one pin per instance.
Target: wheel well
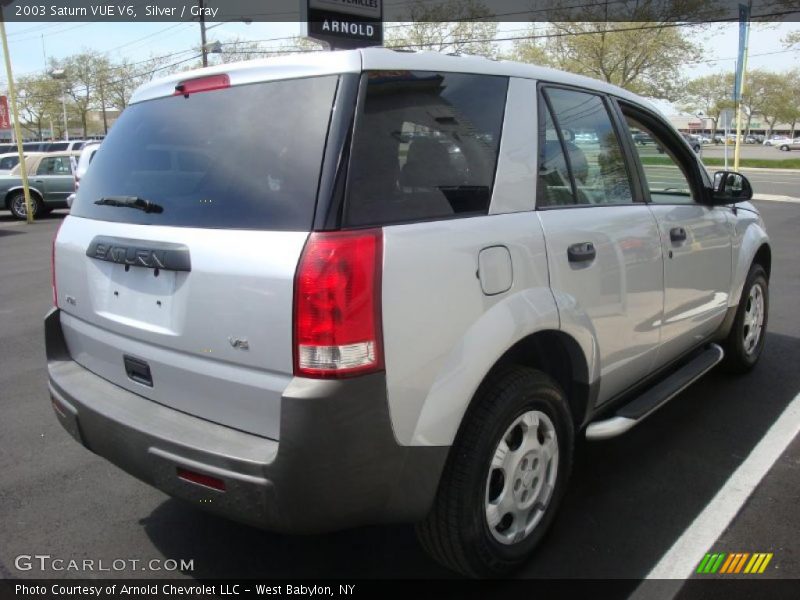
(764, 258)
(559, 356)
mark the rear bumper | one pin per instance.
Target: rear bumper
(337, 464)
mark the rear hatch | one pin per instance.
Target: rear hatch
(175, 269)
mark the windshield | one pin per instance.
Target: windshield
(245, 157)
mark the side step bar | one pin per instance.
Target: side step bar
(655, 397)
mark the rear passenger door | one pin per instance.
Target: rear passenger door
(603, 248)
(695, 238)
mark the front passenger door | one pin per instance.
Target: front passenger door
(696, 238)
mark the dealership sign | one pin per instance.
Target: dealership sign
(344, 23)
(5, 121)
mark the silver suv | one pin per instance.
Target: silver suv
(360, 287)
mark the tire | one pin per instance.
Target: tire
(16, 204)
(785, 148)
(742, 351)
(521, 408)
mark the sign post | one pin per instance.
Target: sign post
(18, 134)
(741, 68)
(344, 23)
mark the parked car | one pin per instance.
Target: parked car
(641, 138)
(693, 142)
(8, 160)
(704, 139)
(790, 145)
(776, 139)
(49, 178)
(81, 165)
(64, 146)
(304, 343)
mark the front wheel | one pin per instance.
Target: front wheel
(785, 148)
(16, 204)
(505, 476)
(748, 334)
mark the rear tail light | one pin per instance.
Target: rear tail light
(53, 266)
(337, 302)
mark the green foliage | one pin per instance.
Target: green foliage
(645, 58)
(454, 26)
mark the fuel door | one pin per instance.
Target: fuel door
(495, 270)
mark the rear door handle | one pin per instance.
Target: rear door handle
(677, 234)
(582, 252)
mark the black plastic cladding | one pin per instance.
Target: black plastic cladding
(333, 175)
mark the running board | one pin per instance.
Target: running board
(655, 397)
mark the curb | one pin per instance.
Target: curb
(776, 198)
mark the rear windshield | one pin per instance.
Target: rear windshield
(245, 157)
(425, 147)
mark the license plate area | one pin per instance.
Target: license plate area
(138, 296)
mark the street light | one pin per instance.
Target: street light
(61, 74)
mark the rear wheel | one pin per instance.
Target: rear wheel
(16, 204)
(504, 478)
(747, 336)
(785, 148)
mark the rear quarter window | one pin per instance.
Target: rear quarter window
(425, 147)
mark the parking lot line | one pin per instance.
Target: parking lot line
(683, 557)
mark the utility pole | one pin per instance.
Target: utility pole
(61, 75)
(23, 171)
(203, 34)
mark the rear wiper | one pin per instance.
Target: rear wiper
(131, 202)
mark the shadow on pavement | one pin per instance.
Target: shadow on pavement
(630, 498)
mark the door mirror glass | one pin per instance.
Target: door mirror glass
(730, 187)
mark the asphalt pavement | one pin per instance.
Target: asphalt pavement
(630, 498)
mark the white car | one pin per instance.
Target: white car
(81, 166)
(8, 161)
(776, 139)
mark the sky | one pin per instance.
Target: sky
(30, 42)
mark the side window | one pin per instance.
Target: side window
(54, 165)
(591, 146)
(555, 187)
(47, 166)
(425, 147)
(665, 175)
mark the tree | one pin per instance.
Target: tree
(38, 103)
(124, 77)
(645, 58)
(710, 94)
(776, 99)
(84, 76)
(454, 26)
(791, 39)
(791, 112)
(237, 49)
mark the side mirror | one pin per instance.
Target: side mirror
(730, 187)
